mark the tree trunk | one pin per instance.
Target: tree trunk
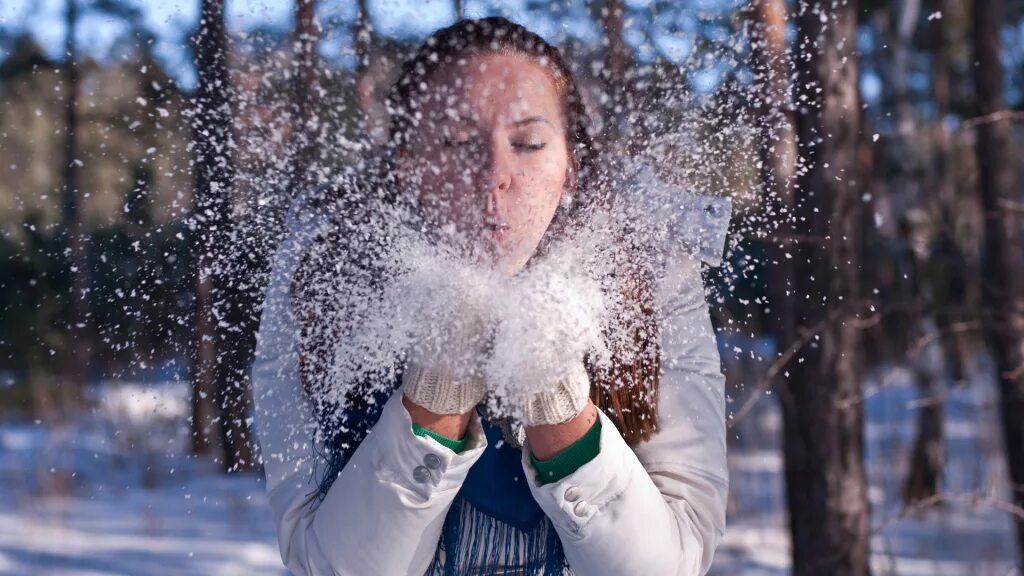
(374, 115)
(822, 403)
(1002, 290)
(778, 155)
(76, 351)
(928, 456)
(615, 78)
(927, 464)
(304, 137)
(950, 303)
(204, 411)
(214, 173)
(909, 321)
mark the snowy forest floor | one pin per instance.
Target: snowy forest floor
(115, 493)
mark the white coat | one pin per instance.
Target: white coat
(656, 509)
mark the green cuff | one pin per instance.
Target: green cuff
(455, 445)
(569, 460)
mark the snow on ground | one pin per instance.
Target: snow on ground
(116, 494)
(968, 535)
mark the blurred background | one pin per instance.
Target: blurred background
(869, 313)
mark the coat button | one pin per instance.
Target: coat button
(580, 509)
(572, 493)
(433, 461)
(421, 474)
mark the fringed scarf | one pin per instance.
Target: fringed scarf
(494, 525)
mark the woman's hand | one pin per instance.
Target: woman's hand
(448, 425)
(450, 319)
(546, 441)
(552, 315)
(443, 373)
(442, 381)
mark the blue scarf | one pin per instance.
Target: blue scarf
(493, 524)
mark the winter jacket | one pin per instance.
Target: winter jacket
(657, 508)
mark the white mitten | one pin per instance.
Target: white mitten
(443, 375)
(562, 401)
(447, 308)
(552, 316)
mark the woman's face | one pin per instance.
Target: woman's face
(489, 159)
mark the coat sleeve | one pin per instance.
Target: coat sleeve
(385, 511)
(658, 508)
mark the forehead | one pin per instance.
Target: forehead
(492, 88)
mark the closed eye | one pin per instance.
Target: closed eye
(529, 147)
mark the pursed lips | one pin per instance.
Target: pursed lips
(495, 231)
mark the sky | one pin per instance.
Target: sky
(171, 21)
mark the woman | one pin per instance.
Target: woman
(610, 469)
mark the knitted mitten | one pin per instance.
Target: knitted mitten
(553, 316)
(560, 403)
(441, 392)
(443, 371)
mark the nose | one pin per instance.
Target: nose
(499, 177)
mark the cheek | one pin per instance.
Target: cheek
(542, 188)
(545, 178)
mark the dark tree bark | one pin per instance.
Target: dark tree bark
(778, 155)
(223, 318)
(911, 318)
(928, 455)
(76, 353)
(1002, 289)
(944, 268)
(212, 178)
(616, 80)
(822, 402)
(373, 112)
(237, 255)
(307, 36)
(948, 269)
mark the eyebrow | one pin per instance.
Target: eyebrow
(531, 120)
(517, 123)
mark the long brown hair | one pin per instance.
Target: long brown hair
(628, 389)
